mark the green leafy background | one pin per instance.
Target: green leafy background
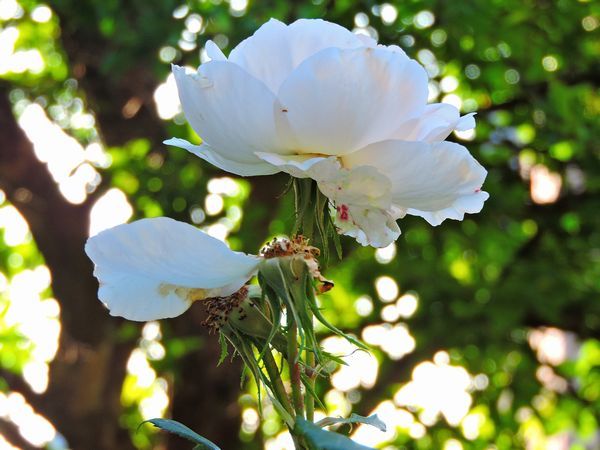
(485, 287)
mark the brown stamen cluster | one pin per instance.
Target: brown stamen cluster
(298, 245)
(219, 309)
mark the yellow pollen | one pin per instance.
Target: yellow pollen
(187, 294)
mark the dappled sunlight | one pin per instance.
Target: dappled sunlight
(143, 388)
(385, 255)
(16, 230)
(64, 155)
(283, 441)
(437, 388)
(361, 368)
(36, 319)
(552, 345)
(363, 305)
(387, 288)
(395, 419)
(166, 99)
(110, 210)
(545, 185)
(31, 426)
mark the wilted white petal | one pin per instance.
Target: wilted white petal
(276, 49)
(229, 109)
(435, 124)
(338, 101)
(155, 268)
(207, 153)
(369, 226)
(427, 177)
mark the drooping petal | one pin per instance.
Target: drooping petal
(369, 226)
(155, 268)
(276, 49)
(435, 124)
(427, 177)
(230, 110)
(338, 101)
(207, 153)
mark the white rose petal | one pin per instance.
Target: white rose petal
(276, 49)
(339, 100)
(436, 181)
(223, 93)
(435, 125)
(369, 226)
(156, 268)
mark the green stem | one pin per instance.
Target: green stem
(310, 364)
(308, 398)
(279, 389)
(294, 366)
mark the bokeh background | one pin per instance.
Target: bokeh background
(485, 332)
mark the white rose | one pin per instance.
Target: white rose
(317, 101)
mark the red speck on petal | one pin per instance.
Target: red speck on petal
(477, 190)
(343, 212)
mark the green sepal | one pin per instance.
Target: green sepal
(311, 390)
(312, 302)
(288, 278)
(181, 430)
(319, 439)
(313, 211)
(224, 349)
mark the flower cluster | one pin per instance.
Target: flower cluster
(316, 101)
(320, 103)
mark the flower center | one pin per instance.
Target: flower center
(298, 245)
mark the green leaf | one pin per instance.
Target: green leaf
(312, 302)
(320, 439)
(181, 430)
(224, 349)
(373, 420)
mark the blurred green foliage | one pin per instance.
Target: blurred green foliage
(529, 68)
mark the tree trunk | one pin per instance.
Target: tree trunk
(86, 375)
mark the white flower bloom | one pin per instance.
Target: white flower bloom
(316, 101)
(156, 268)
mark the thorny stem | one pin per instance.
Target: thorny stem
(273, 372)
(308, 397)
(294, 366)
